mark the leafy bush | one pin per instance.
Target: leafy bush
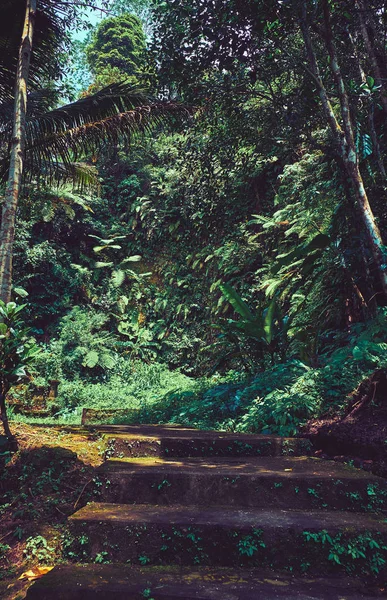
(283, 398)
(18, 353)
(130, 385)
(84, 344)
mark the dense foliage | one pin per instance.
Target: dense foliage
(224, 274)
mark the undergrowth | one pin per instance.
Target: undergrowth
(279, 400)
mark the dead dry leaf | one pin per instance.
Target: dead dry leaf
(35, 573)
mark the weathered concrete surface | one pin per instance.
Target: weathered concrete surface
(222, 501)
(170, 441)
(219, 536)
(223, 517)
(276, 482)
(121, 582)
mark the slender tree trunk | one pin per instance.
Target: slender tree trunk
(371, 111)
(4, 419)
(7, 229)
(372, 54)
(344, 137)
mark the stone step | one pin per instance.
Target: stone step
(170, 441)
(278, 482)
(122, 582)
(282, 539)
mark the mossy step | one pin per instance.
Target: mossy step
(278, 482)
(169, 441)
(122, 582)
(281, 539)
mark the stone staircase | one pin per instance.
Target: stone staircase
(219, 516)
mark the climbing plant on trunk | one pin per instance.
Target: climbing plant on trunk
(343, 133)
(328, 51)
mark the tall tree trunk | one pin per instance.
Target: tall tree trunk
(7, 229)
(344, 137)
(371, 110)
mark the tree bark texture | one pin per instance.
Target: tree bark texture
(8, 217)
(344, 137)
(4, 417)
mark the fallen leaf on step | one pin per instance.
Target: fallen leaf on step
(35, 573)
(276, 582)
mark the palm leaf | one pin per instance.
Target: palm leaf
(60, 138)
(39, 102)
(49, 36)
(80, 174)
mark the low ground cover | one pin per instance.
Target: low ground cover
(52, 472)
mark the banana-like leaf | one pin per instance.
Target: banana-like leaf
(268, 323)
(101, 265)
(251, 329)
(134, 258)
(236, 301)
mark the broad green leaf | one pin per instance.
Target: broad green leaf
(91, 359)
(101, 265)
(100, 248)
(370, 81)
(107, 361)
(19, 291)
(236, 301)
(268, 323)
(118, 277)
(19, 372)
(134, 258)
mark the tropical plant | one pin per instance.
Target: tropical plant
(118, 42)
(300, 55)
(84, 344)
(120, 270)
(51, 143)
(18, 353)
(267, 328)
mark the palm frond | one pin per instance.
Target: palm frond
(114, 115)
(56, 141)
(81, 175)
(111, 100)
(39, 102)
(49, 36)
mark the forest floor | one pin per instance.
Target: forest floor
(43, 483)
(53, 474)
